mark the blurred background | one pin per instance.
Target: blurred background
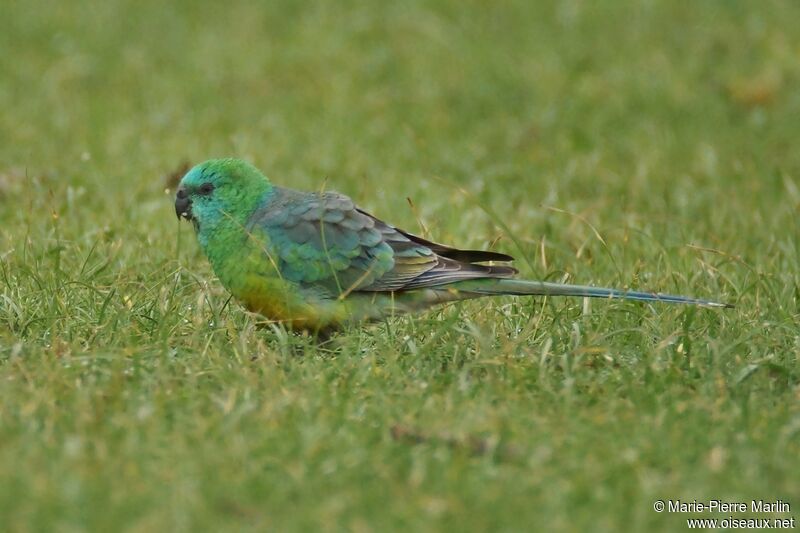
(651, 108)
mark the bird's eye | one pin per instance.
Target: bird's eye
(206, 188)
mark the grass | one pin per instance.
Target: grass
(650, 145)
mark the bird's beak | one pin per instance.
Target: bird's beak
(183, 205)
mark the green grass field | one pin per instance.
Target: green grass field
(645, 145)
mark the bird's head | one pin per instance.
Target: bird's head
(220, 189)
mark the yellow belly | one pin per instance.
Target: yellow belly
(281, 301)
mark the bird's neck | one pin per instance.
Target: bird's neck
(223, 235)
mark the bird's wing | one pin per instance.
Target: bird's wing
(323, 240)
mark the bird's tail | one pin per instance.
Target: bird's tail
(496, 287)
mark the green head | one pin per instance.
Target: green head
(220, 190)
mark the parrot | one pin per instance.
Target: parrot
(315, 261)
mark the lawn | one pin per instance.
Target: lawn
(644, 145)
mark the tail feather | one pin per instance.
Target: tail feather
(543, 288)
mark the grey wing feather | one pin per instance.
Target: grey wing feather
(366, 253)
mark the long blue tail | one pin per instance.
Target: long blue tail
(543, 288)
